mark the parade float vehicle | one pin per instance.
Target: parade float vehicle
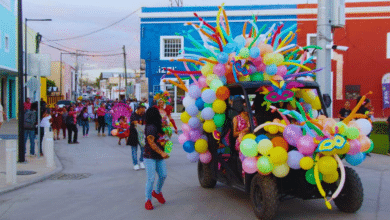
(288, 147)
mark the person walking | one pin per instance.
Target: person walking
(154, 156)
(344, 112)
(63, 126)
(56, 122)
(45, 123)
(30, 123)
(84, 121)
(27, 104)
(101, 112)
(71, 125)
(137, 136)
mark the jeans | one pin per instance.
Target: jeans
(134, 150)
(29, 134)
(85, 125)
(41, 139)
(153, 166)
(72, 128)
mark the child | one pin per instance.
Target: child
(123, 129)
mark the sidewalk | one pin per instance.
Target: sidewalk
(9, 130)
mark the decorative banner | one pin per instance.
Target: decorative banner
(386, 90)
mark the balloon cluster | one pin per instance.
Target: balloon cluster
(164, 96)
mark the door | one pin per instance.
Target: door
(176, 94)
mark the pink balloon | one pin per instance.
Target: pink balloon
(195, 135)
(183, 138)
(185, 128)
(219, 69)
(261, 67)
(292, 133)
(355, 147)
(306, 145)
(282, 70)
(202, 81)
(258, 61)
(249, 165)
(205, 157)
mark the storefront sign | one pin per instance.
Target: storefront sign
(386, 90)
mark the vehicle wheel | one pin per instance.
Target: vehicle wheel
(351, 197)
(205, 176)
(264, 196)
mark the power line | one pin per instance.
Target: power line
(86, 51)
(83, 54)
(93, 32)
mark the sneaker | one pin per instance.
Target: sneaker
(148, 205)
(32, 155)
(103, 135)
(142, 165)
(136, 167)
(159, 197)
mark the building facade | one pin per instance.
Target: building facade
(355, 72)
(65, 79)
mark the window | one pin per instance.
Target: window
(170, 47)
(388, 46)
(352, 91)
(6, 43)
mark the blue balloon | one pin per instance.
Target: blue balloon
(208, 96)
(271, 69)
(194, 123)
(207, 113)
(223, 58)
(189, 146)
(240, 40)
(194, 91)
(260, 137)
(254, 52)
(192, 110)
(199, 103)
(230, 47)
(356, 159)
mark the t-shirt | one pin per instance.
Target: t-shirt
(139, 118)
(148, 151)
(344, 112)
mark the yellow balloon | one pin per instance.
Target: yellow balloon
(185, 117)
(207, 69)
(249, 136)
(244, 78)
(278, 59)
(210, 78)
(343, 150)
(264, 146)
(273, 129)
(331, 178)
(327, 165)
(219, 106)
(201, 146)
(209, 126)
(316, 104)
(306, 163)
(278, 155)
(269, 59)
(281, 170)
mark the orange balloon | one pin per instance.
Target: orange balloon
(248, 42)
(365, 142)
(280, 142)
(265, 48)
(223, 93)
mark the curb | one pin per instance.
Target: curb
(58, 169)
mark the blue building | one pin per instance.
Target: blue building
(161, 41)
(8, 56)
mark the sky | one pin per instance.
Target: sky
(76, 17)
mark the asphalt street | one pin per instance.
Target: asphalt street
(111, 189)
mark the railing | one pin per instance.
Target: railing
(52, 100)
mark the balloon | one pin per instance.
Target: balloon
(206, 157)
(193, 157)
(185, 117)
(356, 159)
(189, 146)
(194, 91)
(208, 105)
(219, 70)
(341, 127)
(229, 48)
(282, 70)
(183, 138)
(364, 125)
(219, 106)
(264, 146)
(343, 150)
(201, 146)
(370, 149)
(209, 126)
(264, 165)
(223, 80)
(223, 57)
(278, 155)
(292, 133)
(249, 165)
(114, 132)
(310, 177)
(207, 69)
(265, 48)
(215, 84)
(219, 120)
(278, 59)
(355, 147)
(222, 93)
(187, 101)
(260, 137)
(306, 163)
(202, 81)
(194, 135)
(210, 78)
(281, 170)
(257, 61)
(280, 142)
(331, 178)
(208, 96)
(327, 165)
(207, 113)
(185, 128)
(244, 53)
(306, 145)
(240, 41)
(254, 52)
(271, 69)
(352, 133)
(194, 123)
(199, 103)
(258, 76)
(294, 158)
(365, 142)
(192, 110)
(249, 136)
(248, 148)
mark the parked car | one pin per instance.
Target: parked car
(64, 103)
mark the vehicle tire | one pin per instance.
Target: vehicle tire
(205, 175)
(264, 196)
(351, 196)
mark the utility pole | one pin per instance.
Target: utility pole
(75, 75)
(124, 56)
(324, 37)
(21, 149)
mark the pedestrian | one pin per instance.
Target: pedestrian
(123, 129)
(364, 108)
(137, 136)
(45, 123)
(133, 105)
(108, 119)
(27, 104)
(344, 112)
(64, 127)
(30, 123)
(154, 156)
(56, 121)
(101, 112)
(84, 121)
(71, 125)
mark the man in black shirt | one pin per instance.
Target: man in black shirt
(137, 136)
(344, 112)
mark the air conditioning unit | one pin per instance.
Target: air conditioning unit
(338, 13)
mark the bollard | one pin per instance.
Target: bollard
(10, 151)
(48, 148)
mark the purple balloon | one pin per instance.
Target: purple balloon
(206, 157)
(208, 96)
(204, 137)
(194, 91)
(194, 123)
(207, 113)
(193, 157)
(292, 133)
(192, 110)
(294, 157)
(183, 138)
(195, 135)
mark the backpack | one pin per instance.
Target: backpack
(30, 119)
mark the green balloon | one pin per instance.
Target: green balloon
(248, 147)
(352, 133)
(208, 105)
(370, 149)
(244, 53)
(258, 76)
(310, 176)
(264, 165)
(219, 120)
(215, 84)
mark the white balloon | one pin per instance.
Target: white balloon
(187, 101)
(364, 125)
(315, 113)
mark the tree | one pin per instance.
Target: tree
(50, 83)
(97, 83)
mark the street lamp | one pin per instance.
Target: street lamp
(25, 52)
